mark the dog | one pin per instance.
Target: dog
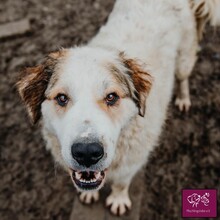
(103, 105)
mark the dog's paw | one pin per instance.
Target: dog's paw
(88, 197)
(183, 104)
(119, 204)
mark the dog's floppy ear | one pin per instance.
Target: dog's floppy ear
(142, 82)
(33, 83)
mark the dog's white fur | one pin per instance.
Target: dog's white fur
(160, 34)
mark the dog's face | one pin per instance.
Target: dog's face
(86, 96)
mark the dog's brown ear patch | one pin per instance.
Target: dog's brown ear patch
(142, 81)
(33, 83)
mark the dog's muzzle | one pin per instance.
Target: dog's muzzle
(87, 155)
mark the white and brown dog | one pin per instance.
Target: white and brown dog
(103, 104)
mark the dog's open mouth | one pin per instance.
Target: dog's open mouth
(88, 180)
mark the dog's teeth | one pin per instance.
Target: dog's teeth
(78, 175)
(97, 175)
(85, 181)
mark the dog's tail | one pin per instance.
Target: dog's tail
(205, 11)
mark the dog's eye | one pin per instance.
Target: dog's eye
(111, 98)
(62, 99)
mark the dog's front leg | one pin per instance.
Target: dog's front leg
(118, 201)
(183, 98)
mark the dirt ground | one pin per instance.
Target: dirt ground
(31, 186)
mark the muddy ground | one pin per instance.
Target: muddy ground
(31, 186)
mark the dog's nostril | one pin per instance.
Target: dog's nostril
(87, 154)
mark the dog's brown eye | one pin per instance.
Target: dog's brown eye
(111, 98)
(62, 100)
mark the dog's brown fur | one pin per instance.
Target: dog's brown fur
(142, 81)
(33, 83)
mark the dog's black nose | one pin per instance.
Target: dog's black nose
(87, 154)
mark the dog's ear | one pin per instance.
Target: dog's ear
(33, 82)
(142, 82)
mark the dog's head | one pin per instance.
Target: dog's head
(85, 96)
